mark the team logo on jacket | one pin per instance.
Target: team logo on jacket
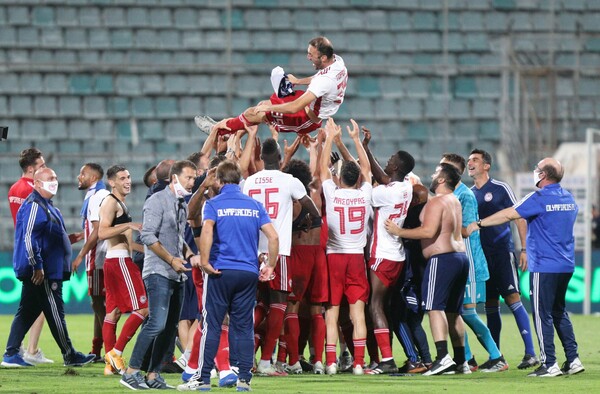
(54, 286)
(488, 197)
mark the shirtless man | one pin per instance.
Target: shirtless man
(443, 284)
(125, 292)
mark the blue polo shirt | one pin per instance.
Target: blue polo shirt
(495, 196)
(475, 254)
(238, 219)
(551, 213)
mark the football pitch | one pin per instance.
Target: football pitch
(54, 378)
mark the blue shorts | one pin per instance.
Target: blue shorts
(474, 293)
(504, 279)
(444, 282)
(189, 309)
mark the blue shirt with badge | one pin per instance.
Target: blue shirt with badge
(473, 244)
(495, 196)
(550, 213)
(238, 220)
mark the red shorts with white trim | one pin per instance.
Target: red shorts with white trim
(309, 273)
(347, 276)
(198, 278)
(124, 285)
(283, 276)
(388, 271)
(298, 122)
(95, 280)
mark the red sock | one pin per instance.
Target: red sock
(260, 312)
(222, 358)
(97, 345)
(238, 123)
(274, 324)
(359, 351)
(292, 328)
(318, 336)
(129, 328)
(383, 341)
(330, 354)
(195, 354)
(282, 350)
(109, 333)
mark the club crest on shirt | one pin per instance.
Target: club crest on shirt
(488, 197)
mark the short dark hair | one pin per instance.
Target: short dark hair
(270, 151)
(229, 172)
(323, 46)
(216, 160)
(28, 157)
(113, 170)
(350, 172)
(487, 158)
(406, 161)
(300, 170)
(148, 174)
(450, 174)
(457, 160)
(195, 158)
(97, 168)
(178, 166)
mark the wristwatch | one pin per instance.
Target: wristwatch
(479, 223)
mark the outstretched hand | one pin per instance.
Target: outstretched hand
(366, 136)
(354, 131)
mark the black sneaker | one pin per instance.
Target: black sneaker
(528, 361)
(78, 359)
(134, 381)
(473, 364)
(441, 366)
(543, 372)
(573, 367)
(171, 367)
(388, 366)
(306, 366)
(496, 365)
(158, 383)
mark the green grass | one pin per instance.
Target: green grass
(58, 379)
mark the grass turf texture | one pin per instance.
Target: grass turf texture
(54, 378)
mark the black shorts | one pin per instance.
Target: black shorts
(444, 281)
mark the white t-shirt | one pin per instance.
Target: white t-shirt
(390, 201)
(276, 190)
(348, 212)
(329, 85)
(95, 257)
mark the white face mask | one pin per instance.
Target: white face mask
(50, 186)
(536, 177)
(180, 191)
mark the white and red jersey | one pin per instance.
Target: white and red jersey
(390, 201)
(95, 257)
(17, 193)
(329, 85)
(276, 190)
(348, 212)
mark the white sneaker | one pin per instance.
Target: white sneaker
(331, 369)
(358, 370)
(37, 358)
(204, 123)
(441, 366)
(193, 385)
(294, 368)
(269, 371)
(181, 361)
(318, 368)
(569, 369)
(214, 373)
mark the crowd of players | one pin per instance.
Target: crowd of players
(350, 261)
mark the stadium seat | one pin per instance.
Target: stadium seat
(406, 42)
(216, 107)
(80, 84)
(20, 105)
(75, 37)
(424, 21)
(31, 83)
(386, 109)
(435, 109)
(18, 16)
(368, 87)
(382, 42)
(28, 36)
(161, 17)
(410, 109)
(94, 107)
(69, 106)
(80, 129)
(51, 37)
(103, 130)
(179, 130)
(505, 5)
(37, 56)
(114, 16)
(137, 17)
(476, 42)
(166, 107)
(118, 107)
(33, 129)
(465, 87)
(304, 20)
(169, 39)
(459, 109)
(8, 36)
(151, 130)
(417, 131)
(489, 130)
(142, 107)
(70, 147)
(190, 106)
(127, 85)
(472, 21)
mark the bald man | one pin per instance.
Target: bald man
(42, 260)
(550, 213)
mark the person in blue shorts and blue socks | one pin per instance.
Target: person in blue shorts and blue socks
(550, 213)
(493, 196)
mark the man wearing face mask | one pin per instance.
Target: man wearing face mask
(550, 213)
(165, 255)
(42, 261)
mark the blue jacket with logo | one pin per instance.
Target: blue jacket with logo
(41, 240)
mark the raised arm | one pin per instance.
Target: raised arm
(365, 167)
(290, 150)
(287, 108)
(378, 173)
(299, 81)
(248, 151)
(331, 130)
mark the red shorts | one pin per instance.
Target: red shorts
(198, 278)
(347, 276)
(388, 271)
(309, 273)
(95, 280)
(283, 277)
(298, 122)
(124, 285)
